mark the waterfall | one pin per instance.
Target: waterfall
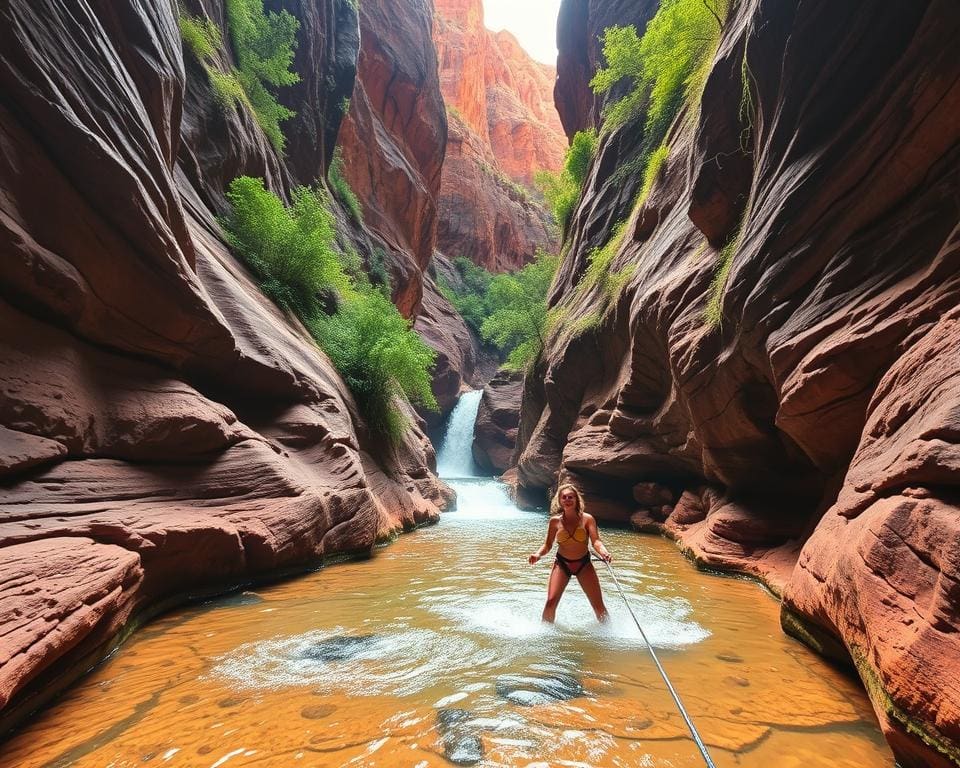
(455, 457)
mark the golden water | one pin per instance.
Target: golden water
(437, 620)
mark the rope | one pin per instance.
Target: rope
(663, 674)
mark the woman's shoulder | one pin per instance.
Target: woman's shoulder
(588, 518)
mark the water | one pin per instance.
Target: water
(433, 654)
(455, 457)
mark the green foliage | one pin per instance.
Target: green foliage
(663, 67)
(292, 252)
(469, 295)
(379, 272)
(263, 44)
(380, 357)
(226, 87)
(657, 158)
(624, 57)
(201, 35)
(518, 310)
(713, 314)
(599, 276)
(599, 266)
(341, 187)
(562, 190)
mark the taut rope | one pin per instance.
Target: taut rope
(663, 674)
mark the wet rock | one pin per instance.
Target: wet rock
(337, 648)
(498, 419)
(238, 600)
(532, 690)
(460, 746)
(318, 711)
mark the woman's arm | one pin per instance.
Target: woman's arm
(591, 525)
(552, 527)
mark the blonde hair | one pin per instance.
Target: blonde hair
(556, 509)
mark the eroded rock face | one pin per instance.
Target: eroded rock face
(394, 136)
(165, 429)
(498, 417)
(503, 128)
(810, 437)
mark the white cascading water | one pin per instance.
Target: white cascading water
(455, 457)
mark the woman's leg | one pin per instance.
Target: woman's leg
(590, 584)
(558, 582)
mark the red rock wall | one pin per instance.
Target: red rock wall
(164, 429)
(394, 136)
(393, 142)
(813, 436)
(503, 128)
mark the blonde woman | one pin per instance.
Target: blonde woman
(570, 526)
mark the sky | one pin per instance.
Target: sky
(532, 22)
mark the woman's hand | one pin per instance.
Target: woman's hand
(605, 556)
(533, 559)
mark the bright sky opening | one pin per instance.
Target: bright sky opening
(532, 22)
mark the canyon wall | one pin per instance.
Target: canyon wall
(503, 128)
(795, 416)
(393, 141)
(165, 430)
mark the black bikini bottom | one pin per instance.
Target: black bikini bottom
(564, 563)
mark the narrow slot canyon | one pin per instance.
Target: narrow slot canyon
(311, 308)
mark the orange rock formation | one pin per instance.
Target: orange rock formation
(503, 128)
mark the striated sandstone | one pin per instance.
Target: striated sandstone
(503, 128)
(810, 437)
(393, 139)
(165, 430)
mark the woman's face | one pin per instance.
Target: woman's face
(568, 500)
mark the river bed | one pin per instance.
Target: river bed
(432, 653)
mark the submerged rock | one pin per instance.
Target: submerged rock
(531, 690)
(460, 746)
(337, 648)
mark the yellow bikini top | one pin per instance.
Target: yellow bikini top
(580, 534)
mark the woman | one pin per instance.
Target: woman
(570, 526)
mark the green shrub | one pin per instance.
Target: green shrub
(263, 44)
(469, 295)
(517, 304)
(201, 35)
(562, 190)
(655, 163)
(713, 314)
(341, 187)
(292, 252)
(664, 67)
(380, 357)
(379, 271)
